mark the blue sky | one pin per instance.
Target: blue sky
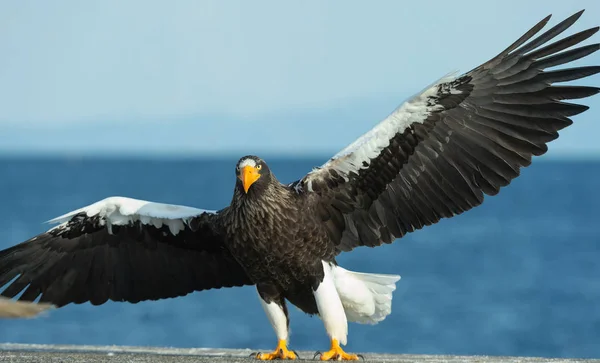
(238, 77)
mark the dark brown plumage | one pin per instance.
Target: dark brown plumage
(435, 157)
(83, 262)
(273, 220)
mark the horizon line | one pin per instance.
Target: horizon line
(220, 155)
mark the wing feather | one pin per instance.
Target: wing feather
(121, 249)
(439, 153)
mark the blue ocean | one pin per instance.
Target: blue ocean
(519, 275)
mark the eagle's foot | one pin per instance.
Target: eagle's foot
(281, 352)
(336, 353)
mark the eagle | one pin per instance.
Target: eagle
(435, 156)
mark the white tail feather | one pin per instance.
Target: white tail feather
(367, 298)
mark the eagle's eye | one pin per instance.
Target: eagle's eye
(258, 167)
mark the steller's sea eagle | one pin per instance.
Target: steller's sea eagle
(434, 157)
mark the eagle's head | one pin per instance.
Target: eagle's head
(253, 174)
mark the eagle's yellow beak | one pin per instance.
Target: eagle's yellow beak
(248, 175)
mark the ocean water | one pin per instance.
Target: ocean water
(519, 275)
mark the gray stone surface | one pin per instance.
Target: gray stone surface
(26, 353)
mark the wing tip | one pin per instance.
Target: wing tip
(545, 20)
(573, 18)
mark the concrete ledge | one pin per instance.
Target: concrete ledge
(29, 353)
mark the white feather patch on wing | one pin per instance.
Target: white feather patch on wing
(367, 298)
(120, 211)
(369, 145)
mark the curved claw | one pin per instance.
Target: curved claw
(281, 352)
(337, 353)
(361, 356)
(316, 354)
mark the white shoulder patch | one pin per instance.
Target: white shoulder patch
(123, 211)
(358, 154)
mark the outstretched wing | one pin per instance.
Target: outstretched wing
(121, 249)
(440, 152)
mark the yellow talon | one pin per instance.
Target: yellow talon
(281, 352)
(336, 353)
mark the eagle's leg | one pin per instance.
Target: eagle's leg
(333, 315)
(274, 304)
